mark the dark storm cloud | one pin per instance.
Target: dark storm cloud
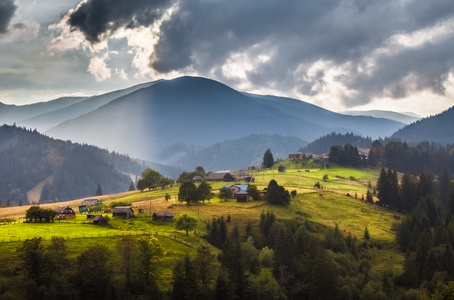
(202, 35)
(97, 17)
(216, 28)
(7, 9)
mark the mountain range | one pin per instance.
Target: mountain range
(191, 121)
(170, 121)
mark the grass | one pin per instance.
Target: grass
(350, 213)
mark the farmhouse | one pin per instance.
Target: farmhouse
(220, 176)
(123, 212)
(64, 212)
(162, 216)
(296, 156)
(90, 205)
(237, 188)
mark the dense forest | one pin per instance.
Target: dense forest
(402, 157)
(66, 169)
(426, 234)
(323, 144)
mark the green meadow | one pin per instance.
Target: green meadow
(338, 202)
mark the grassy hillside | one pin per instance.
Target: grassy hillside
(327, 207)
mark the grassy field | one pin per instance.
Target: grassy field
(338, 202)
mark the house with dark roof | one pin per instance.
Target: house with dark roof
(65, 212)
(99, 220)
(163, 216)
(220, 176)
(242, 196)
(123, 212)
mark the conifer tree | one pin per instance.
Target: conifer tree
(268, 160)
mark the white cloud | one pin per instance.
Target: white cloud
(99, 69)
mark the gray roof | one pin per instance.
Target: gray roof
(90, 202)
(122, 209)
(98, 218)
(64, 210)
(163, 214)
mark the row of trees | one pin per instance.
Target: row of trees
(38, 214)
(190, 193)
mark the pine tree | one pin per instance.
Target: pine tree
(268, 160)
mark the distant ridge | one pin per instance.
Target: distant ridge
(438, 128)
(406, 118)
(10, 114)
(49, 119)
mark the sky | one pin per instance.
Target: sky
(338, 54)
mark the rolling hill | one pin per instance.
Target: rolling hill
(438, 128)
(171, 120)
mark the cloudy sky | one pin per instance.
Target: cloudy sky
(338, 54)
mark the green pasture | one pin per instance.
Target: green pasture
(338, 202)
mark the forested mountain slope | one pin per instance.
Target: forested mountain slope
(438, 128)
(323, 144)
(68, 170)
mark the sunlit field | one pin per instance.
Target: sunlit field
(339, 201)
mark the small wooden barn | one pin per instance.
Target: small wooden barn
(163, 216)
(99, 220)
(65, 212)
(242, 196)
(123, 212)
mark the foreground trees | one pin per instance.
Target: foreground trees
(277, 194)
